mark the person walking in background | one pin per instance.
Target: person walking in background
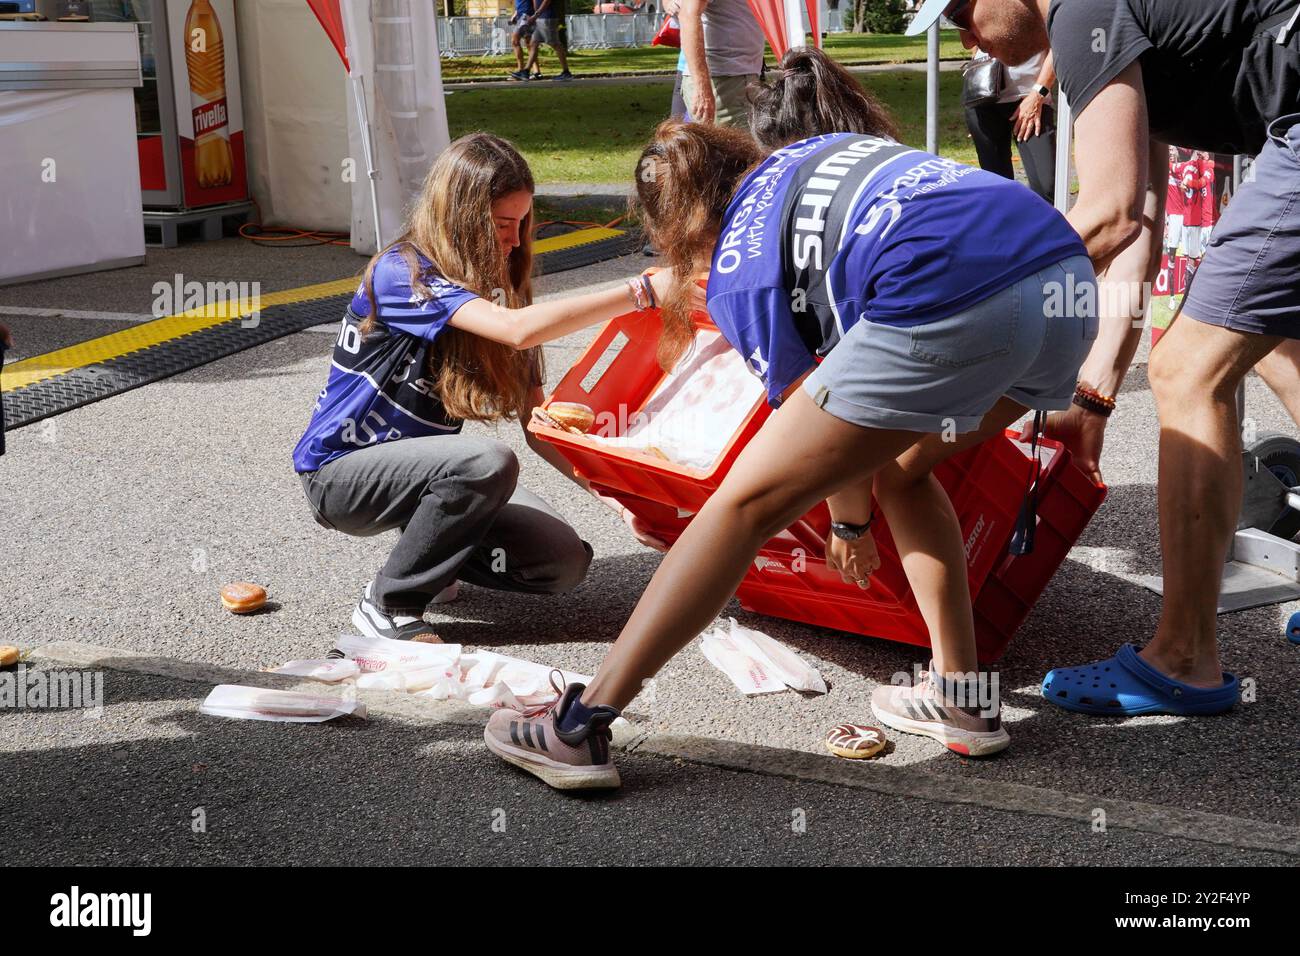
(723, 45)
(548, 19)
(521, 36)
(672, 8)
(1022, 113)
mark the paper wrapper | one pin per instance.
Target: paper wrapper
(757, 663)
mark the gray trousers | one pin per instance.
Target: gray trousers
(461, 514)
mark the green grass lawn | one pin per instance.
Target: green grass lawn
(593, 134)
(853, 48)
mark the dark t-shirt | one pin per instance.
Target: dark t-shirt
(1214, 75)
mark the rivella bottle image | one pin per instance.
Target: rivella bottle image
(205, 58)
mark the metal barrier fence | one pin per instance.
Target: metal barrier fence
(482, 36)
(485, 36)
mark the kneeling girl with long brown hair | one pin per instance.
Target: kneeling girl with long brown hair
(443, 330)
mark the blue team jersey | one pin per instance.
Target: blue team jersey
(837, 229)
(379, 387)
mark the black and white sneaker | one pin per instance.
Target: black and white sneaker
(373, 621)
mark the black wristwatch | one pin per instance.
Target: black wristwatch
(1043, 90)
(851, 532)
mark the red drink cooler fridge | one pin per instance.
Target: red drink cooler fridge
(189, 119)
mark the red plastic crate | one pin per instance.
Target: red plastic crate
(789, 578)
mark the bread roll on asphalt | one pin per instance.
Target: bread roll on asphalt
(8, 655)
(241, 597)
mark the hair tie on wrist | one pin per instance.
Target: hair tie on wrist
(649, 291)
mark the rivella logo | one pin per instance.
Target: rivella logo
(76, 909)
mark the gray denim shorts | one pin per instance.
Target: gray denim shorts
(1025, 342)
(1249, 279)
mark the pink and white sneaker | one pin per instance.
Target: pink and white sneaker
(972, 728)
(577, 759)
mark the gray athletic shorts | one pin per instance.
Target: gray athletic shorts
(551, 31)
(1249, 279)
(1025, 342)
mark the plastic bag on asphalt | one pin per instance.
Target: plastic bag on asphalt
(326, 670)
(757, 663)
(261, 703)
(380, 653)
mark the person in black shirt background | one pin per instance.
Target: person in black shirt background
(1142, 75)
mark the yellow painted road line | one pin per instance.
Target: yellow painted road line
(52, 364)
(147, 334)
(579, 237)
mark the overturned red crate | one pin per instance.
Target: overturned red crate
(619, 373)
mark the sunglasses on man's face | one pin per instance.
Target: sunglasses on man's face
(959, 13)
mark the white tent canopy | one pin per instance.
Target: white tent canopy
(397, 117)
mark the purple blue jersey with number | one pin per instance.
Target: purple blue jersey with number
(379, 388)
(843, 228)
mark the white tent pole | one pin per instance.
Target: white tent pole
(363, 120)
(932, 89)
(794, 34)
(1064, 139)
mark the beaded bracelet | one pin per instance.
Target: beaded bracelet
(1093, 401)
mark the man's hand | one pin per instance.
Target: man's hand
(1028, 119)
(1082, 432)
(671, 7)
(703, 107)
(855, 560)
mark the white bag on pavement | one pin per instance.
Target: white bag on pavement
(409, 679)
(381, 653)
(326, 670)
(290, 706)
(485, 673)
(757, 663)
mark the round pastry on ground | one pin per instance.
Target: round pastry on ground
(9, 655)
(241, 597)
(855, 741)
(572, 415)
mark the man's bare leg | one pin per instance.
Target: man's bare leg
(1194, 373)
(1280, 370)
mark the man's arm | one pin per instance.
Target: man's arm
(1120, 215)
(691, 18)
(1125, 284)
(1111, 156)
